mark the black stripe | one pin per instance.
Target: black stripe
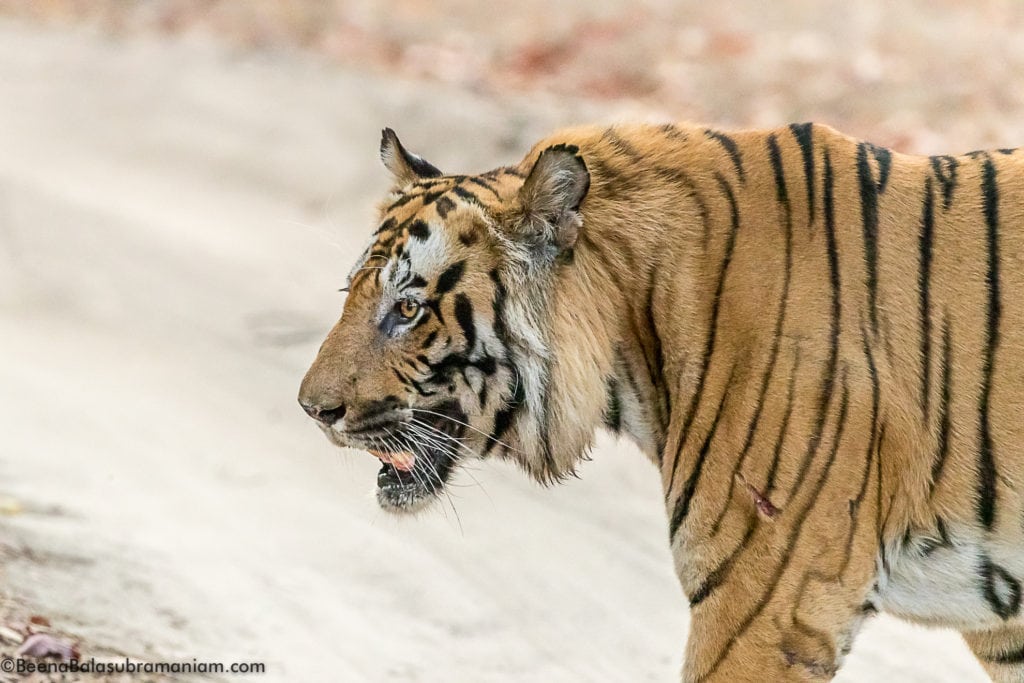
(781, 193)
(503, 418)
(545, 430)
(620, 144)
(944, 168)
(487, 364)
(443, 206)
(445, 369)
(420, 390)
(855, 515)
(419, 230)
(482, 395)
(942, 449)
(986, 464)
(1012, 657)
(924, 273)
(506, 170)
(450, 278)
(731, 149)
(875, 384)
(682, 507)
(833, 264)
(656, 366)
(403, 199)
(464, 316)
(879, 525)
(780, 439)
(401, 378)
(930, 545)
(388, 224)
(713, 581)
(613, 408)
(429, 197)
(815, 640)
(671, 131)
(462, 192)
(718, 575)
(484, 184)
(712, 334)
(993, 576)
(427, 183)
(804, 134)
(884, 158)
(780, 316)
(869, 215)
(828, 379)
(434, 306)
(498, 309)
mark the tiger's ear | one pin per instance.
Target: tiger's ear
(405, 166)
(551, 196)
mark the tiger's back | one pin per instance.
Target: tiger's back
(818, 341)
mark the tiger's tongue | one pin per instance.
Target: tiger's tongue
(400, 461)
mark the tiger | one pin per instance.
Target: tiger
(817, 341)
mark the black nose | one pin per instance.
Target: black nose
(327, 415)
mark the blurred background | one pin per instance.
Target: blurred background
(183, 187)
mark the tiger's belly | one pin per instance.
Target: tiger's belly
(952, 580)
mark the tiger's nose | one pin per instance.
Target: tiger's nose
(322, 413)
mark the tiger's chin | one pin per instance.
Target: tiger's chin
(408, 491)
(407, 482)
(416, 460)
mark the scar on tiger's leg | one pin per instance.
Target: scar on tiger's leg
(1000, 651)
(765, 508)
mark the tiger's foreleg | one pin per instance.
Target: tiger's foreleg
(1000, 651)
(796, 628)
(781, 596)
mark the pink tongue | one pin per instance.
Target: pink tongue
(400, 461)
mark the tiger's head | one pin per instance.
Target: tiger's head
(443, 350)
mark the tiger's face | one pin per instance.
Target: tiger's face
(426, 366)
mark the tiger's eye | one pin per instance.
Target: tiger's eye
(408, 308)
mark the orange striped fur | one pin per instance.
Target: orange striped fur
(818, 342)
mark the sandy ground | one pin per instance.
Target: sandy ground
(174, 220)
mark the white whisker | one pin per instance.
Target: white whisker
(469, 426)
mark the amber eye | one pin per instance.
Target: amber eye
(408, 308)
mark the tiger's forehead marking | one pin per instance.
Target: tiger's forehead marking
(412, 240)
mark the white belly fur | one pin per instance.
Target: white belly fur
(957, 581)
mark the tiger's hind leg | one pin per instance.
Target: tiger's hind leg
(1000, 651)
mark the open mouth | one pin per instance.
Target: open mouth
(417, 454)
(407, 480)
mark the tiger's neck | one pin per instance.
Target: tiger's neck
(658, 225)
(617, 298)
